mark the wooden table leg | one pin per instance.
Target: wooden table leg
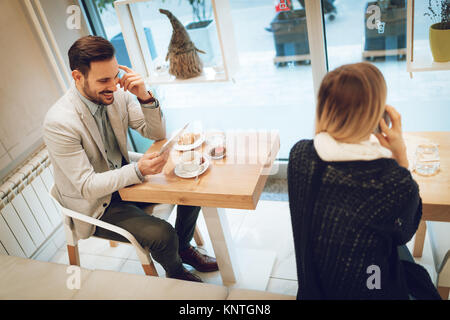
(220, 235)
(419, 239)
(198, 237)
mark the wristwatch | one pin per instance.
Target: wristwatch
(149, 100)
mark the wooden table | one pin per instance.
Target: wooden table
(434, 190)
(233, 182)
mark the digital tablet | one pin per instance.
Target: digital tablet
(171, 142)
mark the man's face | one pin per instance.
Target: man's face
(101, 81)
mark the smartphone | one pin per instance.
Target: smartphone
(121, 74)
(387, 119)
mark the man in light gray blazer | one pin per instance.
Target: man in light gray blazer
(86, 136)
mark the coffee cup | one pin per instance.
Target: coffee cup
(190, 161)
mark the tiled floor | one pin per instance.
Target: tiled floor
(268, 227)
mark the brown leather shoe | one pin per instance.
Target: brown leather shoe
(185, 275)
(201, 262)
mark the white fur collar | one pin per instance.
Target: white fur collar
(329, 149)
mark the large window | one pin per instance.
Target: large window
(273, 88)
(424, 100)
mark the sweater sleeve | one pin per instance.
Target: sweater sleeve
(409, 215)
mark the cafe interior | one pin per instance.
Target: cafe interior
(230, 126)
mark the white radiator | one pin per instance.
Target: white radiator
(28, 216)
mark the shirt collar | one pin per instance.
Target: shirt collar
(92, 106)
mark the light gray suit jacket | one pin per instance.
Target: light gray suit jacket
(83, 180)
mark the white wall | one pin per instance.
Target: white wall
(28, 85)
(55, 10)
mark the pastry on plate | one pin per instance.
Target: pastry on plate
(188, 138)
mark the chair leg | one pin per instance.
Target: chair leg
(113, 244)
(150, 270)
(198, 237)
(72, 243)
(444, 292)
(74, 256)
(146, 261)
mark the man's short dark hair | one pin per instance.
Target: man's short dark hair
(88, 49)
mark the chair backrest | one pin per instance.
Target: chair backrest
(68, 214)
(71, 236)
(53, 196)
(62, 209)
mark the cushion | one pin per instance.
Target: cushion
(246, 294)
(112, 285)
(25, 279)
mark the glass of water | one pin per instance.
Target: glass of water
(427, 160)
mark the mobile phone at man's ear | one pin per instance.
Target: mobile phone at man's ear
(120, 74)
(387, 119)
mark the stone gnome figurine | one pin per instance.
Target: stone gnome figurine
(184, 60)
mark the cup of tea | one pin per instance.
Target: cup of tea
(191, 161)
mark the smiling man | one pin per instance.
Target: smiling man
(86, 137)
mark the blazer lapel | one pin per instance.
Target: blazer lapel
(88, 120)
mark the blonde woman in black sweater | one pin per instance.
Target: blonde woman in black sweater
(354, 204)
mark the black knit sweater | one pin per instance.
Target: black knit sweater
(361, 212)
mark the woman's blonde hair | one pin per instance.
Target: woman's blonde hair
(351, 102)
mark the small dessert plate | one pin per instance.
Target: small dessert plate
(192, 174)
(186, 147)
(218, 156)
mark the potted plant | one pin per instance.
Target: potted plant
(201, 14)
(101, 4)
(439, 12)
(203, 32)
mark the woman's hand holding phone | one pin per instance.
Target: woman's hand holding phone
(392, 138)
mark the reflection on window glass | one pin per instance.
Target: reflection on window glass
(375, 31)
(272, 89)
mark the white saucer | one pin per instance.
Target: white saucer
(185, 174)
(186, 147)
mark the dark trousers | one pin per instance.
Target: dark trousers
(163, 241)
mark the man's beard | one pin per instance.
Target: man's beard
(97, 98)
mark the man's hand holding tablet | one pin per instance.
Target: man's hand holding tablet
(153, 163)
(171, 142)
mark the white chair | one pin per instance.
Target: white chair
(160, 210)
(438, 233)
